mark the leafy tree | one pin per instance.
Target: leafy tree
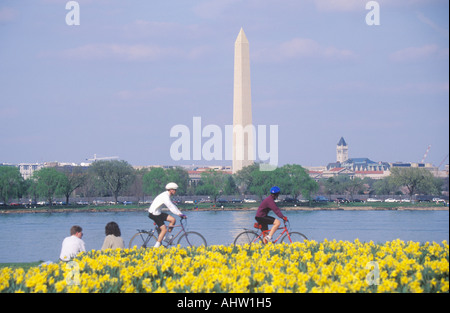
(295, 180)
(136, 188)
(154, 181)
(291, 178)
(93, 187)
(116, 175)
(244, 178)
(30, 187)
(331, 186)
(230, 187)
(179, 176)
(74, 179)
(261, 182)
(48, 183)
(385, 186)
(157, 178)
(213, 183)
(416, 180)
(11, 183)
(353, 186)
(344, 185)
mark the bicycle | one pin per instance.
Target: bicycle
(249, 236)
(148, 238)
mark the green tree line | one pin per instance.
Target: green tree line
(402, 181)
(118, 178)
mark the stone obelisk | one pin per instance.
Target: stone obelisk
(243, 137)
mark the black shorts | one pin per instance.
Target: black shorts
(265, 221)
(159, 219)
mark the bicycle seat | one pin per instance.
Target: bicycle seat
(257, 225)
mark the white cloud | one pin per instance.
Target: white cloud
(128, 52)
(155, 29)
(298, 48)
(416, 53)
(340, 5)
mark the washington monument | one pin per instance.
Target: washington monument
(243, 136)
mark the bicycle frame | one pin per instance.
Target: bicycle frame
(265, 232)
(157, 231)
(183, 236)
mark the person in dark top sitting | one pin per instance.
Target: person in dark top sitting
(264, 219)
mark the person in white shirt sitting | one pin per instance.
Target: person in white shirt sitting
(160, 217)
(73, 244)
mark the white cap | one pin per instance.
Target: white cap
(171, 186)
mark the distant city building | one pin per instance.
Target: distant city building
(341, 151)
(364, 167)
(195, 174)
(351, 167)
(360, 165)
(355, 164)
(27, 169)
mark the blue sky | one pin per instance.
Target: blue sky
(116, 84)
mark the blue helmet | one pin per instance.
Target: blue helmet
(275, 189)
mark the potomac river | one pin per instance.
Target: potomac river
(34, 237)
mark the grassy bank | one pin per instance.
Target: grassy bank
(25, 266)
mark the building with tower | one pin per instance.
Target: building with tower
(341, 151)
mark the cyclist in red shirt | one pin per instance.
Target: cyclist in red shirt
(262, 216)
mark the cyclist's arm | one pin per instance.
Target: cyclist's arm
(276, 209)
(172, 207)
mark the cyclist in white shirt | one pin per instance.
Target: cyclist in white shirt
(160, 217)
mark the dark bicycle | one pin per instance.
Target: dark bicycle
(148, 238)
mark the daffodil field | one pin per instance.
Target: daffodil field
(328, 266)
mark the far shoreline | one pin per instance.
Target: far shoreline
(143, 209)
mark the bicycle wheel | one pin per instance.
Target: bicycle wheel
(191, 239)
(247, 237)
(142, 240)
(295, 237)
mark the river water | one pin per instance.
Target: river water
(34, 237)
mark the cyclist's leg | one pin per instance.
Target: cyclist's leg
(265, 221)
(276, 224)
(161, 236)
(171, 221)
(159, 220)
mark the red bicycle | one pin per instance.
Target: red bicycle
(250, 236)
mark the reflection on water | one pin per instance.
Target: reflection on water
(33, 237)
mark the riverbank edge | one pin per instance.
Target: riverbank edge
(100, 210)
